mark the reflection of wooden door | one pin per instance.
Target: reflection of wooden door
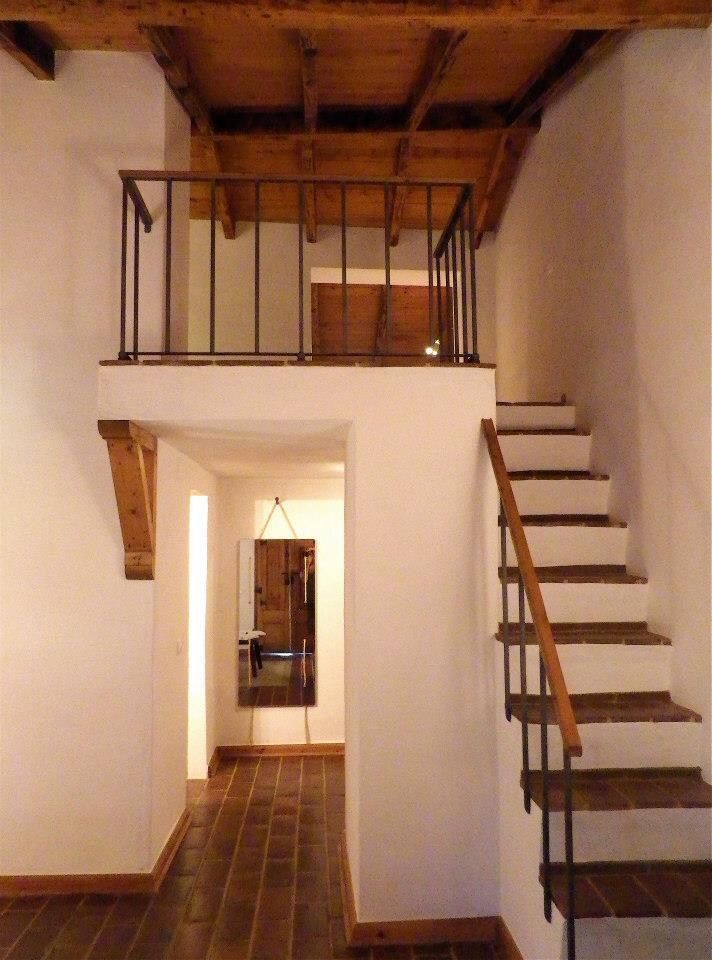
(272, 592)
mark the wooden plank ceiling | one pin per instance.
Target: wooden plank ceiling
(358, 88)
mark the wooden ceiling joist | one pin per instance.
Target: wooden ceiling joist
(315, 14)
(442, 50)
(132, 455)
(22, 42)
(386, 121)
(581, 50)
(165, 45)
(310, 96)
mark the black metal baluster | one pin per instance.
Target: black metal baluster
(455, 304)
(448, 306)
(213, 213)
(545, 823)
(438, 280)
(431, 292)
(300, 355)
(387, 260)
(344, 285)
(505, 614)
(525, 698)
(124, 256)
(169, 250)
(473, 277)
(257, 266)
(569, 849)
(463, 271)
(137, 242)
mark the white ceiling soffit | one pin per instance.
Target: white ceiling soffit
(297, 448)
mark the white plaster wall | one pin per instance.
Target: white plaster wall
(279, 280)
(75, 635)
(177, 157)
(316, 510)
(420, 603)
(603, 292)
(178, 478)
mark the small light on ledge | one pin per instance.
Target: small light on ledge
(434, 350)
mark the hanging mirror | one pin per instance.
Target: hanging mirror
(276, 623)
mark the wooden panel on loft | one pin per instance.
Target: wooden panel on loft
(410, 331)
(132, 455)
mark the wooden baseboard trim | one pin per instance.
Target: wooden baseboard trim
(505, 946)
(408, 932)
(214, 763)
(234, 752)
(118, 884)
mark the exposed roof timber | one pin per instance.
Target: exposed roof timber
(315, 14)
(582, 49)
(310, 97)
(21, 42)
(165, 45)
(484, 202)
(387, 121)
(440, 56)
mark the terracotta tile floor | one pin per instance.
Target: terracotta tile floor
(256, 878)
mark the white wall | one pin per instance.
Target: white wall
(76, 651)
(316, 510)
(420, 607)
(279, 280)
(178, 477)
(603, 292)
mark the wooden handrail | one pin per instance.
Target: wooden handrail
(542, 627)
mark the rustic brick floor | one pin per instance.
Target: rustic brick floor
(256, 878)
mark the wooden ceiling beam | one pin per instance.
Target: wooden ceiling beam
(315, 14)
(165, 45)
(22, 42)
(310, 97)
(386, 121)
(578, 54)
(442, 50)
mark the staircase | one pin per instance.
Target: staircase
(641, 809)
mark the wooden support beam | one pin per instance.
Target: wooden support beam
(165, 45)
(310, 96)
(316, 14)
(132, 455)
(442, 50)
(579, 53)
(485, 201)
(386, 121)
(22, 42)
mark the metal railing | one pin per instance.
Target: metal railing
(450, 262)
(536, 707)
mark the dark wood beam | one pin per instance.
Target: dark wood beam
(386, 121)
(316, 14)
(440, 56)
(578, 54)
(24, 45)
(167, 49)
(310, 97)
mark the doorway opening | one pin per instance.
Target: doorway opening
(197, 759)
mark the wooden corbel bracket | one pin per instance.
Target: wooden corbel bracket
(132, 454)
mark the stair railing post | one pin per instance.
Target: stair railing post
(569, 853)
(123, 355)
(525, 699)
(545, 823)
(505, 614)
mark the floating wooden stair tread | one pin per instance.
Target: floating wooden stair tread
(571, 520)
(635, 707)
(627, 789)
(622, 633)
(656, 888)
(556, 475)
(532, 403)
(583, 573)
(542, 432)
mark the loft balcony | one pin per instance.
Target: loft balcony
(271, 296)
